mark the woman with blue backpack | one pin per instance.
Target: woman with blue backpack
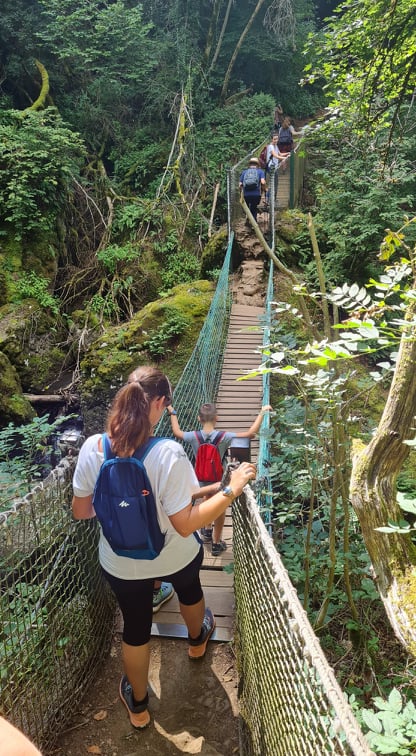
(141, 489)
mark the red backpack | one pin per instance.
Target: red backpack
(263, 158)
(208, 463)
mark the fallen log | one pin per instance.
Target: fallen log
(45, 398)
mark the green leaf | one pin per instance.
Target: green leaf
(387, 745)
(408, 505)
(371, 720)
(395, 700)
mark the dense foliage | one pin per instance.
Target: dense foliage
(39, 156)
(106, 189)
(124, 108)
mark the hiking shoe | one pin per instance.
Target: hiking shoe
(206, 535)
(198, 646)
(162, 595)
(139, 715)
(218, 548)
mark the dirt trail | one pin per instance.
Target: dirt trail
(193, 705)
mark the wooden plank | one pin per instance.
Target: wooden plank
(178, 630)
(216, 579)
(241, 309)
(225, 623)
(217, 562)
(220, 600)
(238, 403)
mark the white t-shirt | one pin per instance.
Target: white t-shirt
(272, 160)
(173, 482)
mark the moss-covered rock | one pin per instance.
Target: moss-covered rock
(292, 237)
(22, 256)
(214, 252)
(111, 358)
(14, 408)
(31, 339)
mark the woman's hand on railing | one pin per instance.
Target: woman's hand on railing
(241, 476)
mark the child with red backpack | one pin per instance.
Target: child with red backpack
(210, 447)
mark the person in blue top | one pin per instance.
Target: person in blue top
(208, 419)
(252, 184)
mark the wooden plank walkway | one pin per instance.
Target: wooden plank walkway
(238, 403)
(283, 188)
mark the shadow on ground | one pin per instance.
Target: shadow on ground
(193, 706)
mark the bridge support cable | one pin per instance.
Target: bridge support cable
(229, 202)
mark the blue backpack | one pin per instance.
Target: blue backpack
(251, 179)
(125, 505)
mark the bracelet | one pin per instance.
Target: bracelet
(228, 492)
(172, 413)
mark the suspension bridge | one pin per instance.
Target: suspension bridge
(289, 699)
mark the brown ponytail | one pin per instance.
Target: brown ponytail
(128, 423)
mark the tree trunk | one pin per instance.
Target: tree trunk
(373, 495)
(221, 37)
(211, 30)
(214, 205)
(238, 48)
(44, 90)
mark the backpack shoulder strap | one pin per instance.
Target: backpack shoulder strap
(143, 450)
(217, 438)
(107, 451)
(199, 437)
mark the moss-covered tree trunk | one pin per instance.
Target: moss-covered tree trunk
(373, 495)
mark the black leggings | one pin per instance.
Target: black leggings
(135, 598)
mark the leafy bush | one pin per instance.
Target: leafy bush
(33, 286)
(38, 155)
(174, 326)
(178, 264)
(357, 198)
(130, 215)
(391, 727)
(182, 267)
(233, 131)
(113, 254)
(23, 453)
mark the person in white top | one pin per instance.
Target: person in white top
(136, 410)
(274, 158)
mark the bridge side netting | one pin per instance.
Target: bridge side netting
(201, 377)
(57, 615)
(290, 701)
